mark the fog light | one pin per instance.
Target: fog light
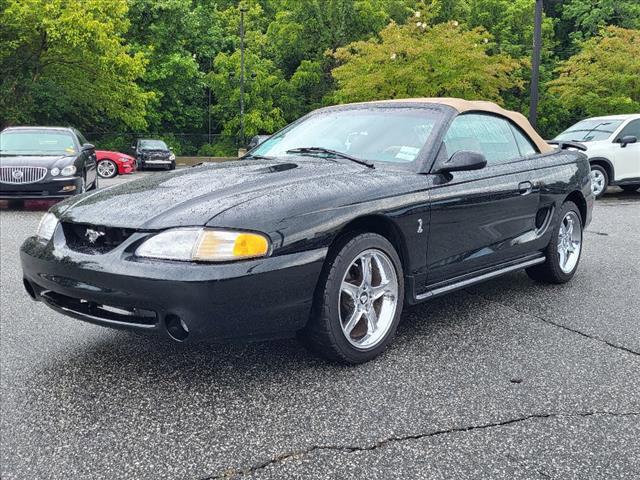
(68, 188)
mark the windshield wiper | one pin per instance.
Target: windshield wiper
(335, 153)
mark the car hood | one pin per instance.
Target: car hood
(48, 161)
(193, 196)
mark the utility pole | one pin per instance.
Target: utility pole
(209, 105)
(242, 10)
(535, 64)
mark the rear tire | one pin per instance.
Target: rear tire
(599, 180)
(564, 249)
(358, 300)
(630, 188)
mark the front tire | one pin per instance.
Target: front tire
(599, 180)
(564, 249)
(358, 301)
(107, 169)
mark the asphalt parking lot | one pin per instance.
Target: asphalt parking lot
(509, 379)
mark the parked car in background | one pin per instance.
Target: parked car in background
(324, 230)
(111, 163)
(613, 148)
(45, 162)
(257, 140)
(153, 153)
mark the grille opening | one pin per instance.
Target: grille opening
(20, 175)
(94, 239)
(133, 315)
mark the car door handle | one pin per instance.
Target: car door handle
(525, 188)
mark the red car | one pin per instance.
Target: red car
(111, 164)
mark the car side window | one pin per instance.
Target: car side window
(487, 134)
(81, 138)
(524, 144)
(631, 128)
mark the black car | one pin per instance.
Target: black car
(324, 230)
(153, 153)
(45, 162)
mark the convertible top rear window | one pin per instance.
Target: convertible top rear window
(389, 135)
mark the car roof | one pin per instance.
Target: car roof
(461, 106)
(628, 116)
(35, 127)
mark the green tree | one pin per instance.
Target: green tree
(588, 17)
(417, 60)
(603, 77)
(65, 62)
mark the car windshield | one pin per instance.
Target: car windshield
(590, 130)
(153, 145)
(391, 135)
(36, 142)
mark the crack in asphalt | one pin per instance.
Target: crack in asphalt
(296, 454)
(556, 324)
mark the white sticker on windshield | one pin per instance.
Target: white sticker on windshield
(407, 153)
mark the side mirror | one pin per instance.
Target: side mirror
(463, 160)
(133, 147)
(88, 146)
(627, 139)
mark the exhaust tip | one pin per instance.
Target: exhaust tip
(29, 288)
(176, 328)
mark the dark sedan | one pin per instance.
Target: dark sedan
(45, 162)
(325, 230)
(153, 153)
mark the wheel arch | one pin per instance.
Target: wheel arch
(380, 224)
(606, 164)
(578, 198)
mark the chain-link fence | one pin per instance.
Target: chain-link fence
(182, 144)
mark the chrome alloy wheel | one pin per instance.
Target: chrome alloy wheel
(569, 242)
(368, 299)
(106, 169)
(597, 182)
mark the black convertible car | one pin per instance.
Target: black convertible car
(45, 162)
(325, 230)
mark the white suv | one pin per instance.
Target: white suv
(613, 148)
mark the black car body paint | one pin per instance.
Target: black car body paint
(446, 226)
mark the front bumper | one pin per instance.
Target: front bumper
(125, 168)
(156, 163)
(263, 298)
(61, 187)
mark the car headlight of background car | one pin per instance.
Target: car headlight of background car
(47, 226)
(204, 245)
(68, 171)
(55, 171)
(172, 157)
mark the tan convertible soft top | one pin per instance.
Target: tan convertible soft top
(481, 106)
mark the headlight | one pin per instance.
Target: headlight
(55, 171)
(68, 170)
(172, 157)
(47, 226)
(204, 245)
(125, 160)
